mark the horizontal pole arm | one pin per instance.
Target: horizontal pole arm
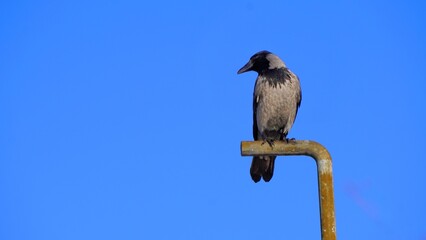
(282, 148)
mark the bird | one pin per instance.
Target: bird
(277, 97)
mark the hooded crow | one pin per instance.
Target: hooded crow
(276, 99)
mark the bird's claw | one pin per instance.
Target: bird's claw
(269, 141)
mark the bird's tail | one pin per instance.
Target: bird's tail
(262, 166)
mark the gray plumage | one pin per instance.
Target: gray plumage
(276, 99)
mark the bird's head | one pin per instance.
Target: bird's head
(261, 62)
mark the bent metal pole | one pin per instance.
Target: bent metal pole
(324, 168)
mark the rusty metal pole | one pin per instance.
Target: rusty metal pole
(324, 168)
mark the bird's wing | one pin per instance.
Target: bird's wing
(298, 96)
(255, 103)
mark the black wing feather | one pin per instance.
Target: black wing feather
(255, 130)
(299, 100)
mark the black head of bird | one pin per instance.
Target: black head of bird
(262, 62)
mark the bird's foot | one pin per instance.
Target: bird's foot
(269, 141)
(290, 140)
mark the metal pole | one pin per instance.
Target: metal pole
(324, 168)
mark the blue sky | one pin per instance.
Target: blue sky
(123, 119)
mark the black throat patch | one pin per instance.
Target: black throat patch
(276, 77)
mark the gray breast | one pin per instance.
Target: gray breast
(276, 102)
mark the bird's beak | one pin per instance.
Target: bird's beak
(246, 68)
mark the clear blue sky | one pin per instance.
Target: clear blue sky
(123, 119)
